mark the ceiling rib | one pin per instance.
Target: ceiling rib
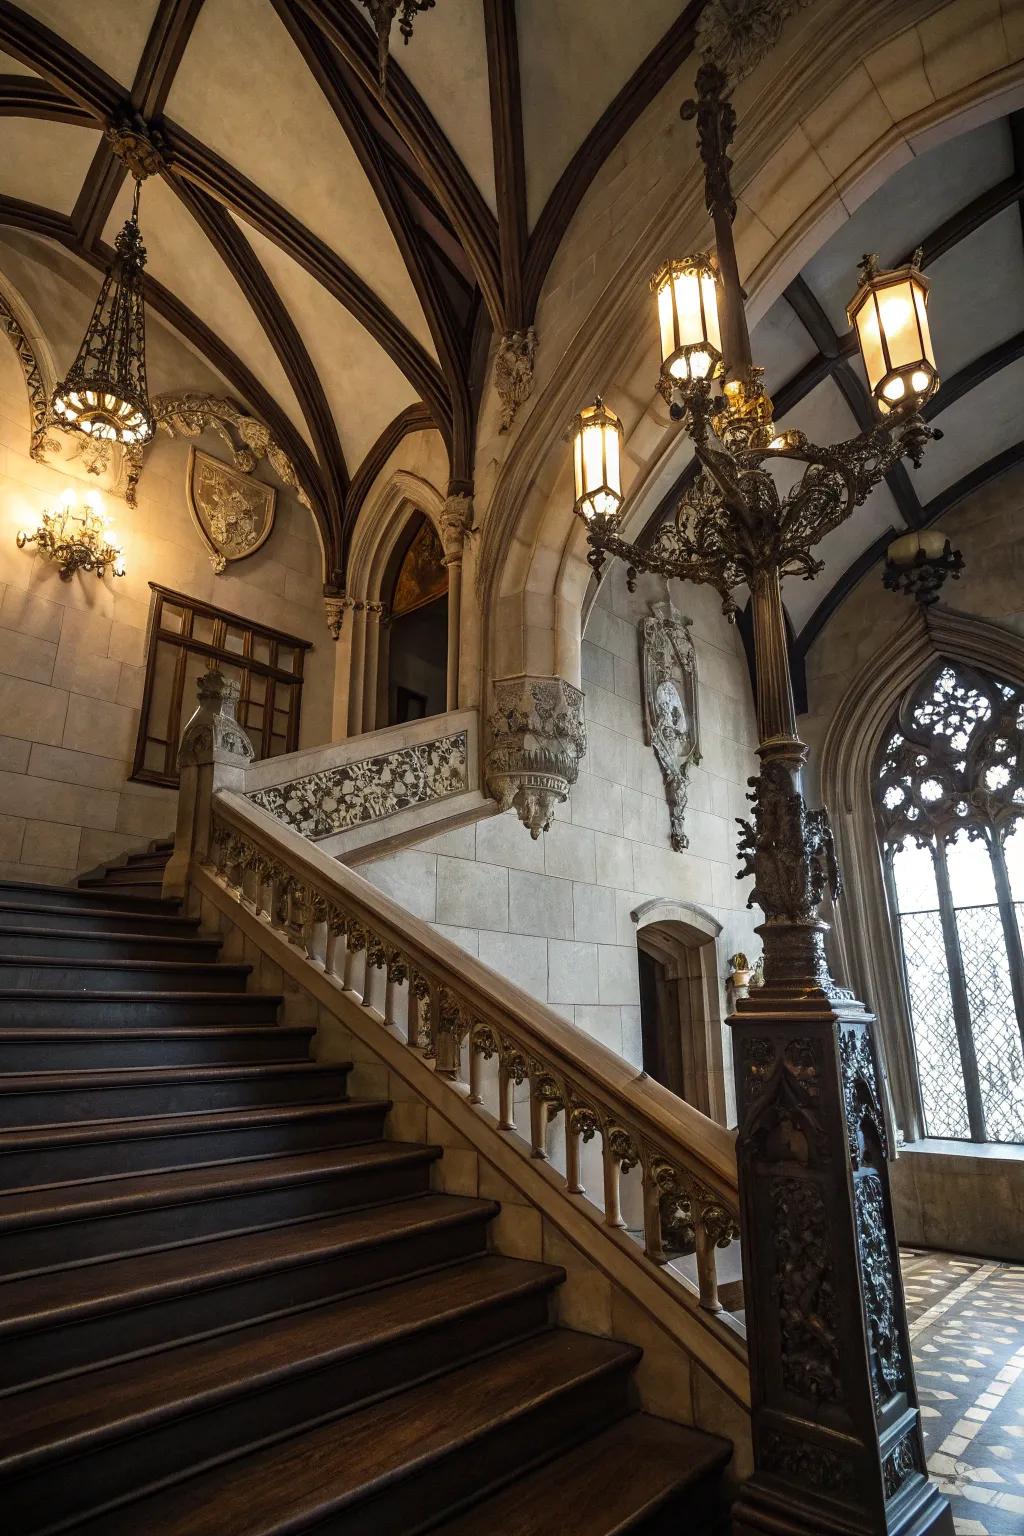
(445, 173)
(241, 261)
(616, 120)
(509, 155)
(330, 74)
(58, 227)
(28, 96)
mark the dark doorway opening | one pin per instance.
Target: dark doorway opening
(417, 631)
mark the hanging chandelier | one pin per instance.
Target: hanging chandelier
(104, 394)
(382, 14)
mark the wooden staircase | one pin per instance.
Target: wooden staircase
(228, 1305)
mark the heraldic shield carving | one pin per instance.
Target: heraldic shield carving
(669, 666)
(233, 512)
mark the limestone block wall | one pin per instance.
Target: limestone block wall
(72, 653)
(555, 914)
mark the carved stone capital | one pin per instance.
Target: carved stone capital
(213, 735)
(513, 372)
(335, 608)
(456, 521)
(538, 736)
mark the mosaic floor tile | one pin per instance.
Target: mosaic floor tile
(967, 1330)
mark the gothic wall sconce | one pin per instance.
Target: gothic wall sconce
(76, 541)
(917, 565)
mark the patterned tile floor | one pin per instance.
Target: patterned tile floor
(967, 1330)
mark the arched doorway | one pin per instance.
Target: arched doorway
(415, 663)
(680, 1003)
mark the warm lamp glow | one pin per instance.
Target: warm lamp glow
(691, 341)
(890, 311)
(76, 539)
(597, 439)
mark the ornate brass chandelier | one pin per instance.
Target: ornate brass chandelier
(737, 527)
(105, 394)
(382, 14)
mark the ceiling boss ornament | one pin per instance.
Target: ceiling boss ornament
(382, 14)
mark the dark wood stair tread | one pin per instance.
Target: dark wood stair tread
(290, 1485)
(61, 1296)
(65, 1418)
(24, 1138)
(39, 888)
(106, 1196)
(117, 963)
(300, 1033)
(604, 1487)
(175, 921)
(10, 931)
(135, 1077)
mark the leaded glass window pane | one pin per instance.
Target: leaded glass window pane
(948, 795)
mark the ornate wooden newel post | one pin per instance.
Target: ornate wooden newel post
(837, 1436)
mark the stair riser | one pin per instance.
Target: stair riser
(83, 1011)
(37, 1501)
(145, 861)
(86, 919)
(147, 880)
(135, 977)
(418, 1500)
(87, 1055)
(30, 1249)
(59, 1107)
(693, 1510)
(77, 946)
(57, 1164)
(75, 1346)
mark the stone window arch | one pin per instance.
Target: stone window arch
(949, 800)
(867, 931)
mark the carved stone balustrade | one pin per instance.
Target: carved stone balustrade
(512, 1058)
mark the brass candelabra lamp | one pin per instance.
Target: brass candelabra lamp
(836, 1427)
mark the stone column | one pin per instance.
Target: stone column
(375, 615)
(357, 671)
(213, 754)
(456, 521)
(537, 737)
(336, 607)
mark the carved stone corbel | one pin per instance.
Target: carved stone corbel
(538, 736)
(513, 372)
(335, 608)
(737, 34)
(669, 665)
(456, 521)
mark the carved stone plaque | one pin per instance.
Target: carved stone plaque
(669, 667)
(233, 512)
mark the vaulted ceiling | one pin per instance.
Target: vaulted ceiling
(340, 256)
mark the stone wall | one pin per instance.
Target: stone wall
(72, 653)
(555, 914)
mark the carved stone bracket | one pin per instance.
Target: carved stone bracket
(456, 521)
(513, 372)
(737, 34)
(669, 666)
(336, 605)
(213, 734)
(538, 736)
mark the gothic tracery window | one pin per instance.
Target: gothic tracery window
(949, 797)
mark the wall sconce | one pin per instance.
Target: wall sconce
(917, 564)
(82, 541)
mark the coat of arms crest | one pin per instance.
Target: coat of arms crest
(233, 512)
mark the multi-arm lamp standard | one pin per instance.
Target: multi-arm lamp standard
(836, 1428)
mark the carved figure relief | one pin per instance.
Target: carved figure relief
(233, 512)
(669, 668)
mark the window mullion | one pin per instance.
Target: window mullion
(1011, 932)
(958, 994)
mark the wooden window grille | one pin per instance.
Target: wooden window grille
(187, 636)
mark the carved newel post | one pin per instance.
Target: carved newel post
(214, 754)
(837, 1434)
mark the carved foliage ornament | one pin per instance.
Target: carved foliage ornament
(213, 734)
(38, 396)
(737, 34)
(513, 372)
(669, 667)
(233, 512)
(538, 736)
